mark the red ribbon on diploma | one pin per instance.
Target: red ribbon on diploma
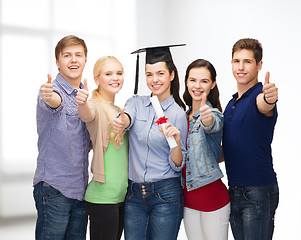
(161, 120)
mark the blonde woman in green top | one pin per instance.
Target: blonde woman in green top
(106, 192)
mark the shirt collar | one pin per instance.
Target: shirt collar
(165, 104)
(65, 85)
(248, 92)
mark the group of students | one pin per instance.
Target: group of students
(141, 185)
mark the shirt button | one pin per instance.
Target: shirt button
(187, 159)
(191, 185)
(193, 120)
(189, 172)
(230, 116)
(75, 90)
(233, 107)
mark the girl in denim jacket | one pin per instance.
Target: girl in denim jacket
(206, 199)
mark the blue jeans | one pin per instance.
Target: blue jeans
(153, 210)
(59, 217)
(253, 211)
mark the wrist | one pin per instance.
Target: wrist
(268, 102)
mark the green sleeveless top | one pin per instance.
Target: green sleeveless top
(116, 176)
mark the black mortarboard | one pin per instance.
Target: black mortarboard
(153, 55)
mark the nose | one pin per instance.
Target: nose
(155, 78)
(115, 77)
(241, 65)
(73, 58)
(198, 84)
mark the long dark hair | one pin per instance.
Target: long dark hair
(213, 96)
(175, 84)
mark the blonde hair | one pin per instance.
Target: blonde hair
(108, 107)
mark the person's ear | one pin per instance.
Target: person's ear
(259, 66)
(172, 75)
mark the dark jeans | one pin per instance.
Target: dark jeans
(106, 220)
(59, 217)
(153, 210)
(253, 211)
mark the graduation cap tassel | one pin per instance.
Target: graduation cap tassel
(137, 75)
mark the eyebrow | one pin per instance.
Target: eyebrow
(243, 59)
(72, 52)
(163, 70)
(199, 79)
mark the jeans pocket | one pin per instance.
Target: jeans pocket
(170, 195)
(254, 196)
(50, 192)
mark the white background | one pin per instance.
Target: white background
(30, 30)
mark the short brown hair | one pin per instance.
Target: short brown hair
(68, 41)
(249, 44)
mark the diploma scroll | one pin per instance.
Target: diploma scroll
(162, 120)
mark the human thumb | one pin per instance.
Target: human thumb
(49, 78)
(86, 84)
(204, 99)
(267, 78)
(122, 114)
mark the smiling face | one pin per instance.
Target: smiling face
(245, 69)
(158, 79)
(110, 79)
(71, 63)
(199, 82)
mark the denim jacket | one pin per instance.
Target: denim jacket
(204, 150)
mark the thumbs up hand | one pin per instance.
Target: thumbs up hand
(47, 89)
(269, 90)
(82, 94)
(120, 123)
(205, 112)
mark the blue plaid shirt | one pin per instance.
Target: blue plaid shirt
(63, 143)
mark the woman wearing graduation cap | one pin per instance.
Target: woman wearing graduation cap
(154, 200)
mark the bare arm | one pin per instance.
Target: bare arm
(266, 101)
